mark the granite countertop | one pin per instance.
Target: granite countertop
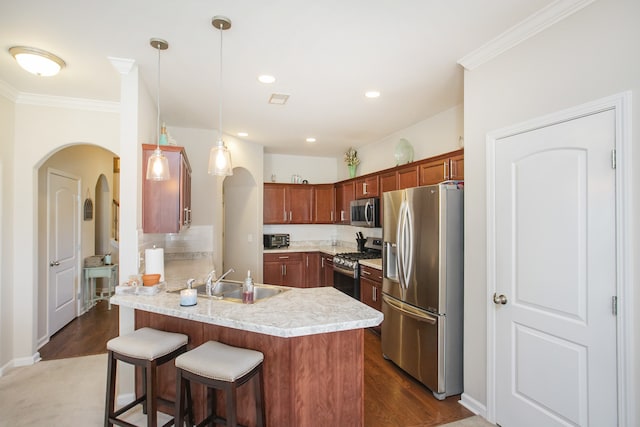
(328, 249)
(296, 312)
(373, 263)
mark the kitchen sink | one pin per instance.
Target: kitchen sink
(231, 290)
(260, 292)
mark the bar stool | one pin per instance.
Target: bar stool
(219, 367)
(147, 348)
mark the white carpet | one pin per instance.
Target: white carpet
(71, 392)
(65, 392)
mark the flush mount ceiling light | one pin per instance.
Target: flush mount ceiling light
(372, 94)
(243, 134)
(158, 164)
(219, 156)
(311, 139)
(37, 61)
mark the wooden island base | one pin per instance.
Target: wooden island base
(314, 380)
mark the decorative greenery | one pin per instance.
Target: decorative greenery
(351, 157)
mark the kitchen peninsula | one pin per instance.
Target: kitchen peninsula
(312, 341)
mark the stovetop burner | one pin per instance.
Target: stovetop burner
(349, 260)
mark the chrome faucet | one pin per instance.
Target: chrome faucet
(211, 278)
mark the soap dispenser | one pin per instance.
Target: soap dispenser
(247, 289)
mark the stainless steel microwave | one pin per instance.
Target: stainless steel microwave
(273, 241)
(365, 212)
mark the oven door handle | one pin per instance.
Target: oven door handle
(350, 273)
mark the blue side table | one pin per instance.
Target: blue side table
(90, 274)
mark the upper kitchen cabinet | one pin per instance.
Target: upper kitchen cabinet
(166, 205)
(407, 177)
(324, 204)
(450, 167)
(367, 187)
(288, 203)
(345, 193)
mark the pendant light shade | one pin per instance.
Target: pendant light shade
(220, 157)
(158, 164)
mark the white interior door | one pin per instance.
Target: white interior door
(63, 208)
(555, 275)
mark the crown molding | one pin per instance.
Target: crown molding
(123, 65)
(539, 21)
(8, 91)
(66, 102)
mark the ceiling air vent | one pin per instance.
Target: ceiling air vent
(278, 98)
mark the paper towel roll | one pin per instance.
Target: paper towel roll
(154, 262)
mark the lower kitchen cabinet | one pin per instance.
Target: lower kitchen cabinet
(311, 261)
(326, 270)
(371, 288)
(284, 269)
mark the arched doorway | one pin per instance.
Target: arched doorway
(241, 242)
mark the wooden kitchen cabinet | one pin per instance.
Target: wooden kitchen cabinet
(324, 204)
(442, 169)
(345, 193)
(407, 177)
(326, 269)
(388, 182)
(371, 288)
(311, 261)
(367, 187)
(287, 203)
(284, 269)
(166, 205)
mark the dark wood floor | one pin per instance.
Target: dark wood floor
(391, 397)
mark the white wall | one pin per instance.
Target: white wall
(7, 117)
(316, 170)
(590, 55)
(39, 132)
(434, 135)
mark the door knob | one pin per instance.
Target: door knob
(499, 299)
(53, 263)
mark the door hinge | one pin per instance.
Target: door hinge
(614, 305)
(613, 158)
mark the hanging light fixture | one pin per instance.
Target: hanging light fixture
(220, 157)
(158, 165)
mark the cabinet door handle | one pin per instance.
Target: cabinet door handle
(341, 215)
(364, 188)
(454, 169)
(322, 262)
(307, 261)
(446, 169)
(375, 293)
(285, 269)
(332, 216)
(284, 218)
(283, 257)
(290, 216)
(365, 272)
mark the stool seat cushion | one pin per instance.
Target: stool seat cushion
(219, 361)
(147, 343)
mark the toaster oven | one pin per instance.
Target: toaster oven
(273, 241)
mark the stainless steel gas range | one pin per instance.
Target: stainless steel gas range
(346, 267)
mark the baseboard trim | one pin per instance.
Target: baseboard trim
(16, 363)
(473, 405)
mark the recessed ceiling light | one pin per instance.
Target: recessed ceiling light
(311, 140)
(372, 94)
(37, 61)
(266, 79)
(243, 134)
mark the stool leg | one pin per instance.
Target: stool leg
(260, 412)
(152, 393)
(212, 406)
(180, 407)
(109, 406)
(231, 404)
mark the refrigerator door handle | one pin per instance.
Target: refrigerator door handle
(410, 311)
(400, 245)
(409, 247)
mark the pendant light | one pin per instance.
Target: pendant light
(220, 157)
(158, 165)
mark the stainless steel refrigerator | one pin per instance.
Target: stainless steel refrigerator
(422, 287)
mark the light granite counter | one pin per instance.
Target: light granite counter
(294, 313)
(373, 263)
(328, 249)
